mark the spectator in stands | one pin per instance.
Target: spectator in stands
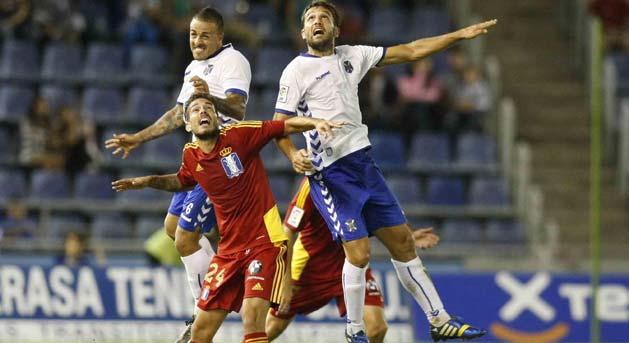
(472, 100)
(57, 20)
(35, 133)
(453, 76)
(75, 252)
(16, 224)
(378, 100)
(139, 26)
(421, 92)
(13, 17)
(75, 140)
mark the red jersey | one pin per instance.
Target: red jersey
(316, 256)
(234, 179)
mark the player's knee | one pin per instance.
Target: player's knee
(274, 327)
(404, 248)
(359, 258)
(376, 331)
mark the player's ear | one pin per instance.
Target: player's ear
(303, 34)
(188, 128)
(337, 32)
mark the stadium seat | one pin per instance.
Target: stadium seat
(406, 188)
(445, 191)
(461, 231)
(388, 26)
(8, 145)
(104, 63)
(49, 185)
(262, 105)
(58, 96)
(430, 151)
(103, 105)
(146, 195)
(135, 157)
(485, 191)
(428, 21)
(270, 64)
(147, 225)
(387, 149)
(20, 60)
(165, 151)
(282, 188)
(504, 231)
(146, 105)
(96, 186)
(62, 62)
(12, 184)
(60, 224)
(273, 158)
(265, 21)
(112, 227)
(476, 150)
(15, 102)
(149, 64)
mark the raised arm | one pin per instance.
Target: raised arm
(421, 48)
(169, 183)
(233, 105)
(302, 124)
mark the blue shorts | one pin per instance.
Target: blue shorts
(353, 198)
(194, 210)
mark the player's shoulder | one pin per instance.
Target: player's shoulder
(244, 124)
(348, 50)
(190, 146)
(193, 64)
(231, 54)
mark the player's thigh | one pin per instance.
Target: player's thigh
(254, 311)
(264, 273)
(206, 324)
(375, 323)
(223, 284)
(398, 240)
(275, 326)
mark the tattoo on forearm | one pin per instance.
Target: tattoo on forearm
(233, 109)
(170, 121)
(165, 182)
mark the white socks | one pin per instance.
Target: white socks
(207, 247)
(413, 277)
(354, 292)
(196, 267)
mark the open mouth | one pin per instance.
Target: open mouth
(318, 32)
(204, 121)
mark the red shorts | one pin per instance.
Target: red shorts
(313, 297)
(253, 273)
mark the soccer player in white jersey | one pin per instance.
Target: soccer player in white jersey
(346, 185)
(225, 74)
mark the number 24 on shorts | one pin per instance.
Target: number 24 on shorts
(211, 274)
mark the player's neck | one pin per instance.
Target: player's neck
(207, 145)
(321, 53)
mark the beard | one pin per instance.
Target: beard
(207, 135)
(322, 45)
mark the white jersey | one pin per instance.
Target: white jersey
(327, 88)
(225, 71)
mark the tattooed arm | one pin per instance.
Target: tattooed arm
(169, 183)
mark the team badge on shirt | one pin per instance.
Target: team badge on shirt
(208, 69)
(349, 68)
(282, 95)
(255, 267)
(231, 163)
(351, 225)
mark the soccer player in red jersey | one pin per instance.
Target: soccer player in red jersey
(316, 268)
(250, 265)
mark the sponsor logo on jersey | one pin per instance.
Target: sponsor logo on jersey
(320, 77)
(257, 287)
(255, 267)
(282, 95)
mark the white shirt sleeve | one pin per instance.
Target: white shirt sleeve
(186, 87)
(289, 93)
(370, 57)
(236, 75)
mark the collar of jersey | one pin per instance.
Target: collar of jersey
(228, 45)
(306, 54)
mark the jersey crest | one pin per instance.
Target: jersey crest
(232, 165)
(349, 68)
(208, 69)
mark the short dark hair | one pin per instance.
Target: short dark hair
(193, 97)
(325, 4)
(210, 14)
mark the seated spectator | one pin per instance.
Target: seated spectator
(378, 101)
(13, 18)
(472, 100)
(453, 77)
(16, 224)
(57, 20)
(75, 252)
(421, 92)
(35, 133)
(75, 140)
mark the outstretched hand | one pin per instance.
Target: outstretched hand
(477, 29)
(425, 238)
(131, 183)
(325, 127)
(123, 143)
(301, 161)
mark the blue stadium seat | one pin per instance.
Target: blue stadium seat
(388, 26)
(8, 145)
(58, 96)
(428, 21)
(96, 186)
(266, 22)
(104, 63)
(20, 60)
(60, 224)
(149, 63)
(112, 227)
(146, 105)
(261, 106)
(147, 225)
(445, 191)
(12, 184)
(270, 64)
(504, 231)
(421, 223)
(15, 102)
(62, 62)
(621, 61)
(282, 188)
(461, 231)
(476, 150)
(387, 149)
(430, 151)
(146, 195)
(49, 185)
(165, 151)
(103, 105)
(134, 157)
(273, 158)
(485, 191)
(406, 188)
